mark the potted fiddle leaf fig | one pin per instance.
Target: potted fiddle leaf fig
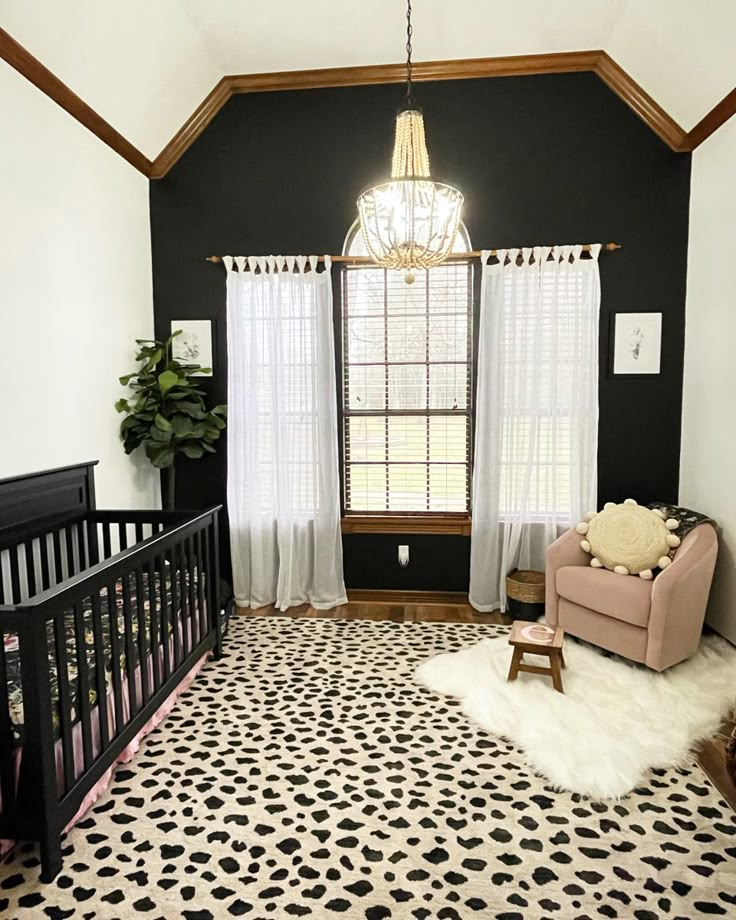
(166, 413)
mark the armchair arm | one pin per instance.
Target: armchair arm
(679, 598)
(564, 551)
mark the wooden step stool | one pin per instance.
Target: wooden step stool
(537, 639)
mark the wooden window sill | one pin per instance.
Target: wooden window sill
(457, 524)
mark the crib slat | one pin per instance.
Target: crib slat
(80, 638)
(183, 619)
(100, 680)
(14, 574)
(129, 645)
(117, 686)
(7, 765)
(156, 641)
(45, 570)
(209, 594)
(142, 652)
(56, 541)
(30, 568)
(192, 571)
(70, 567)
(64, 702)
(106, 542)
(174, 610)
(123, 535)
(138, 532)
(164, 609)
(201, 611)
(81, 548)
(92, 541)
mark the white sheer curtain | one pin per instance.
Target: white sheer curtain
(536, 438)
(283, 482)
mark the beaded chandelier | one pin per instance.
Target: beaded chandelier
(410, 221)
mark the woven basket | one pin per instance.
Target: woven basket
(525, 585)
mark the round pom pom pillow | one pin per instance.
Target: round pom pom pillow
(628, 538)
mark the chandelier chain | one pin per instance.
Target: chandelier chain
(409, 33)
(411, 221)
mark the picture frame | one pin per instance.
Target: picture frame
(194, 345)
(636, 344)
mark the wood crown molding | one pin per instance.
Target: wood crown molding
(598, 62)
(456, 524)
(330, 77)
(33, 70)
(717, 116)
(641, 103)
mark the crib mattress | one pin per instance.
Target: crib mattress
(107, 623)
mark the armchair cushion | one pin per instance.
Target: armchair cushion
(626, 599)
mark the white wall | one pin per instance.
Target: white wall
(140, 64)
(75, 291)
(708, 460)
(680, 51)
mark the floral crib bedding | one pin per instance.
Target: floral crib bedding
(12, 656)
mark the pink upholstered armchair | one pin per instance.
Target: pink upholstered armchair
(655, 622)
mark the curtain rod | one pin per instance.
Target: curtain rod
(455, 256)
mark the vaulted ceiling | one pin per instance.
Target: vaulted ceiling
(145, 65)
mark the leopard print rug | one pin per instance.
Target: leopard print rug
(306, 775)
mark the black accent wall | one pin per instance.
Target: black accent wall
(541, 159)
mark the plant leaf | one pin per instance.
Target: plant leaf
(193, 451)
(163, 458)
(162, 423)
(167, 380)
(182, 425)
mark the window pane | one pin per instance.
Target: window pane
(365, 291)
(366, 438)
(407, 438)
(407, 386)
(448, 338)
(448, 438)
(407, 486)
(366, 387)
(448, 488)
(406, 299)
(407, 338)
(366, 487)
(365, 339)
(448, 386)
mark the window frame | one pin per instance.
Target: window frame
(406, 521)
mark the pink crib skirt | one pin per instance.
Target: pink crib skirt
(128, 752)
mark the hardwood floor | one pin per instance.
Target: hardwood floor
(712, 760)
(397, 613)
(711, 755)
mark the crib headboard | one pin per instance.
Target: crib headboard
(28, 503)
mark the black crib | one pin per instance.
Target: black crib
(102, 614)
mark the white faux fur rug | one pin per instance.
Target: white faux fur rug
(615, 721)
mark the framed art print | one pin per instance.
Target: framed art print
(194, 345)
(636, 344)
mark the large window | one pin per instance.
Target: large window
(407, 386)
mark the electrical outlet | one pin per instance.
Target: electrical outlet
(403, 556)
